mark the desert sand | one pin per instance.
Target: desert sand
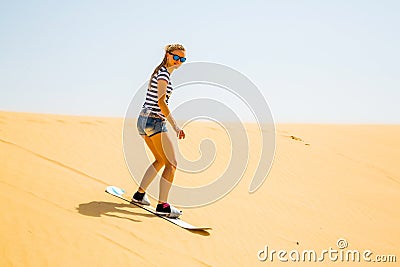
(327, 182)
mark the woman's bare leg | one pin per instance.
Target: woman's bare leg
(165, 149)
(152, 170)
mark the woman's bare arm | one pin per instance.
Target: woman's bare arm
(162, 92)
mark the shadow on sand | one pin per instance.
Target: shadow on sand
(99, 208)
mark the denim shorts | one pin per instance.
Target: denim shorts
(150, 124)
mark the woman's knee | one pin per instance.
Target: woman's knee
(158, 163)
(171, 164)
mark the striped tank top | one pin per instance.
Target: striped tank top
(151, 101)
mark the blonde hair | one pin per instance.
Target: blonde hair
(168, 49)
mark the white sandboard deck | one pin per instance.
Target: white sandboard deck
(118, 192)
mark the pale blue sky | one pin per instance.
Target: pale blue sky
(314, 61)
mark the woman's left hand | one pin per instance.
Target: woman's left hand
(181, 134)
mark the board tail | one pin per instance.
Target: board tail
(113, 190)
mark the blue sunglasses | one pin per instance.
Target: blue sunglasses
(176, 57)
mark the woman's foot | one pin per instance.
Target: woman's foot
(141, 198)
(168, 210)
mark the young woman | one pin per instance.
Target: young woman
(151, 125)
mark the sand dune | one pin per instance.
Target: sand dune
(327, 182)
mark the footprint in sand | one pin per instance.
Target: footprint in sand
(87, 122)
(298, 139)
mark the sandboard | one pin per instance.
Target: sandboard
(119, 193)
